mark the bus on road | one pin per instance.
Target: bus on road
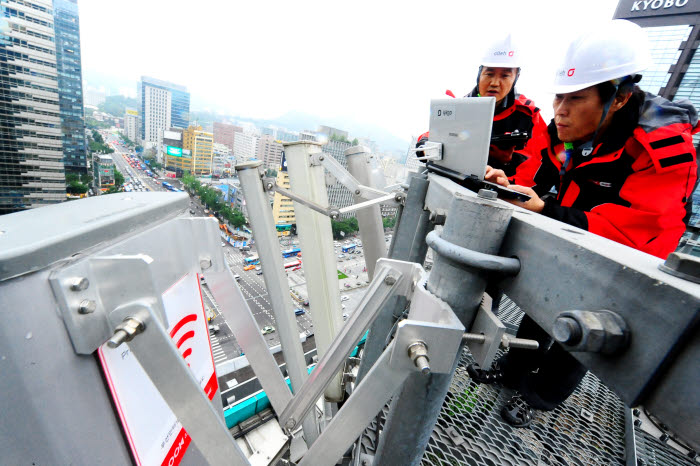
(349, 248)
(293, 264)
(290, 252)
(252, 260)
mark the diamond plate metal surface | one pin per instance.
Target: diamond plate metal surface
(587, 429)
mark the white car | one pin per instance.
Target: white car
(344, 298)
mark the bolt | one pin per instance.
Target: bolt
(357, 191)
(291, 422)
(638, 423)
(398, 198)
(126, 331)
(269, 186)
(664, 437)
(418, 353)
(636, 412)
(79, 284)
(205, 263)
(566, 330)
(322, 158)
(390, 280)
(487, 194)
(87, 306)
(692, 454)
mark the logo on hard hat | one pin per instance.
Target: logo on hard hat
(571, 72)
(510, 54)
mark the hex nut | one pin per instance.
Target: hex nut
(79, 284)
(87, 306)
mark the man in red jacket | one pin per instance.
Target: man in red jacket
(514, 113)
(623, 165)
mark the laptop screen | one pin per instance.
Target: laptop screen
(463, 126)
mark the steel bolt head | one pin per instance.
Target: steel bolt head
(390, 280)
(487, 194)
(357, 191)
(205, 263)
(322, 158)
(290, 423)
(87, 306)
(79, 284)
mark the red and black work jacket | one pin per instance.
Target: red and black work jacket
(636, 186)
(516, 112)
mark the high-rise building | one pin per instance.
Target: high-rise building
(103, 172)
(31, 145)
(673, 28)
(338, 195)
(131, 124)
(245, 146)
(225, 133)
(161, 105)
(283, 207)
(286, 136)
(270, 152)
(201, 146)
(221, 155)
(70, 85)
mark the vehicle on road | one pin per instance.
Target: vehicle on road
(268, 329)
(293, 264)
(306, 303)
(248, 267)
(344, 298)
(259, 272)
(236, 277)
(299, 311)
(214, 329)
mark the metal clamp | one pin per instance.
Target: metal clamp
(432, 151)
(469, 258)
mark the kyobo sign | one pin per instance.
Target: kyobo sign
(638, 8)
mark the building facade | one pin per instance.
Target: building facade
(161, 105)
(245, 147)
(102, 172)
(338, 195)
(221, 157)
(70, 85)
(131, 124)
(31, 144)
(201, 146)
(270, 152)
(673, 29)
(225, 133)
(283, 207)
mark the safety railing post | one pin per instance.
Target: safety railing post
(476, 224)
(316, 241)
(276, 282)
(363, 166)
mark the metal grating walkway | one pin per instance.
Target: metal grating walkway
(588, 429)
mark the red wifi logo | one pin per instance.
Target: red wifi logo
(185, 336)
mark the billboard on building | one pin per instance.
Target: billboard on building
(174, 151)
(132, 112)
(174, 135)
(630, 9)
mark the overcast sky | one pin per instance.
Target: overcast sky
(374, 61)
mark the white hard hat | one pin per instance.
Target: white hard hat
(501, 54)
(619, 48)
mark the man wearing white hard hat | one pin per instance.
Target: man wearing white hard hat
(623, 165)
(515, 118)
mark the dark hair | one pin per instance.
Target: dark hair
(626, 86)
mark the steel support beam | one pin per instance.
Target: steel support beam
(362, 165)
(276, 282)
(410, 229)
(474, 224)
(316, 242)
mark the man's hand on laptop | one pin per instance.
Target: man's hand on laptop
(496, 176)
(535, 204)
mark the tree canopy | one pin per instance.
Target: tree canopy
(211, 198)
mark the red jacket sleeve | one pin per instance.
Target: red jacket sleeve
(526, 171)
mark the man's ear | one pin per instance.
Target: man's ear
(620, 101)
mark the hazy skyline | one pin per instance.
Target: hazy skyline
(370, 62)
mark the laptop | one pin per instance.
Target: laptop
(463, 127)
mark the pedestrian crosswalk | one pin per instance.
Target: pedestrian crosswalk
(219, 355)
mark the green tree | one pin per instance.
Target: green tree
(389, 222)
(118, 178)
(355, 142)
(76, 187)
(344, 227)
(270, 172)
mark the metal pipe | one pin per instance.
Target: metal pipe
(276, 281)
(316, 242)
(475, 224)
(333, 360)
(404, 237)
(361, 165)
(470, 258)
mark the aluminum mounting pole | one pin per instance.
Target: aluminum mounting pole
(363, 166)
(475, 224)
(405, 235)
(276, 282)
(316, 242)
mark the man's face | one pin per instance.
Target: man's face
(577, 114)
(496, 82)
